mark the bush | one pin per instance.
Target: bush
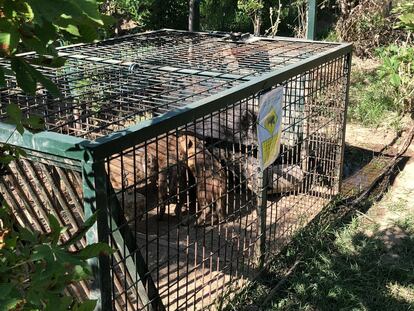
(369, 24)
(397, 71)
(35, 269)
(371, 102)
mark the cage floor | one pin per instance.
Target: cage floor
(193, 266)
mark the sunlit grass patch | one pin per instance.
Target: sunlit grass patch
(341, 268)
(372, 100)
(401, 292)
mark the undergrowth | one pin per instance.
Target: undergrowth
(341, 267)
(370, 100)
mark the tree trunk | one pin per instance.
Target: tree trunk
(256, 24)
(194, 16)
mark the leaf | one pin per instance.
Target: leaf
(94, 250)
(10, 39)
(88, 305)
(24, 78)
(5, 289)
(64, 257)
(42, 252)
(108, 20)
(90, 9)
(46, 32)
(35, 44)
(15, 116)
(81, 273)
(55, 227)
(395, 80)
(48, 61)
(72, 29)
(46, 82)
(57, 303)
(88, 32)
(27, 235)
(10, 303)
(19, 152)
(35, 123)
(6, 159)
(82, 231)
(14, 113)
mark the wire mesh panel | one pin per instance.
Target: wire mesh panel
(116, 83)
(191, 195)
(37, 187)
(170, 119)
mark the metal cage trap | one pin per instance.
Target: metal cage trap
(158, 132)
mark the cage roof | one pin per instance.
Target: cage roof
(110, 85)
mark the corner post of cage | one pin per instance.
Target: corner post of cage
(95, 200)
(311, 20)
(261, 217)
(347, 67)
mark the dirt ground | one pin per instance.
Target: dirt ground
(397, 204)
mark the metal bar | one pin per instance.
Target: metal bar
(69, 164)
(311, 27)
(95, 200)
(348, 65)
(133, 135)
(46, 142)
(261, 218)
(252, 37)
(57, 191)
(135, 262)
(70, 187)
(92, 44)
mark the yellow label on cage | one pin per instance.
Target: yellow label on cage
(270, 121)
(270, 148)
(269, 126)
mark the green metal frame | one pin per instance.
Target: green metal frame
(311, 21)
(89, 157)
(95, 201)
(84, 150)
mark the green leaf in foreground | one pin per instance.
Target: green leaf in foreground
(95, 250)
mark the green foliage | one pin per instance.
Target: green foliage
(222, 15)
(35, 268)
(166, 14)
(369, 24)
(15, 116)
(250, 7)
(405, 15)
(371, 102)
(373, 107)
(397, 70)
(383, 95)
(27, 25)
(31, 25)
(136, 10)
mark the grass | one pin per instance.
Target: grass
(371, 101)
(342, 267)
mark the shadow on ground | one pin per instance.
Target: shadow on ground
(340, 266)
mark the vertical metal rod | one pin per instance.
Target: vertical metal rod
(311, 27)
(347, 66)
(261, 218)
(94, 193)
